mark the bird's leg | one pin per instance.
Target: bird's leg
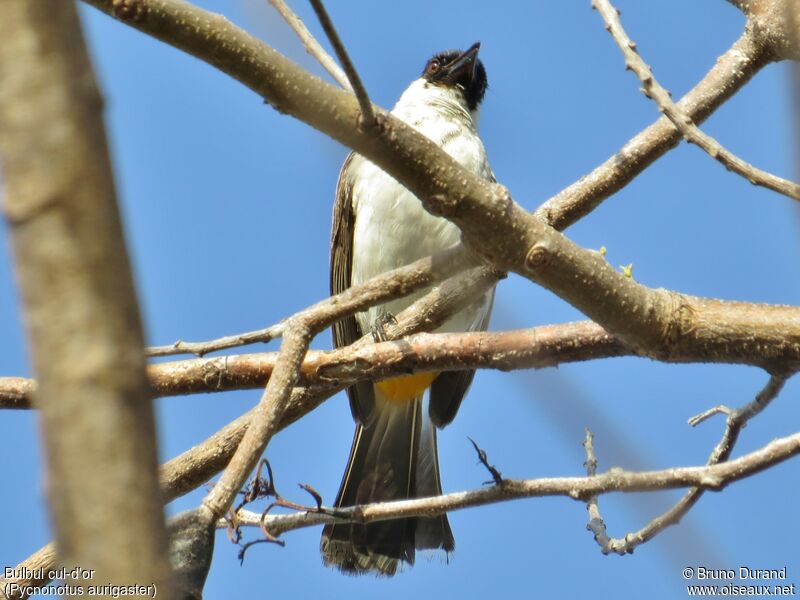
(379, 324)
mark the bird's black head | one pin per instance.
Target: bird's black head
(463, 69)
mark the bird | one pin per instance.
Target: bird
(379, 225)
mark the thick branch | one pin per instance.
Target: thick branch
(774, 24)
(197, 465)
(78, 299)
(729, 336)
(523, 349)
(491, 222)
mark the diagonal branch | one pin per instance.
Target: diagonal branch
(299, 330)
(367, 114)
(492, 223)
(691, 132)
(195, 466)
(728, 75)
(737, 419)
(390, 285)
(310, 43)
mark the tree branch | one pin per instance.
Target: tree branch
(16, 392)
(79, 301)
(522, 349)
(310, 43)
(713, 477)
(298, 331)
(492, 223)
(774, 24)
(691, 133)
(390, 285)
(775, 333)
(367, 114)
(727, 76)
(737, 419)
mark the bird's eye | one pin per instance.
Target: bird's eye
(433, 66)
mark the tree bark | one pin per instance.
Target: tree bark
(79, 303)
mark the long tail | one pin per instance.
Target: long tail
(395, 458)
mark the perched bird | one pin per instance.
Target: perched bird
(379, 225)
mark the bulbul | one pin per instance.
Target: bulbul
(379, 225)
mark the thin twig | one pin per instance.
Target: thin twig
(596, 524)
(616, 480)
(398, 279)
(223, 343)
(691, 132)
(299, 330)
(483, 458)
(310, 43)
(727, 76)
(737, 419)
(367, 114)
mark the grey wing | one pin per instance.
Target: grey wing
(346, 331)
(450, 387)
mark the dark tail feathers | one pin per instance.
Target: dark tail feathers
(395, 458)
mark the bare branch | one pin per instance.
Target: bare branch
(223, 343)
(726, 77)
(691, 133)
(713, 477)
(743, 5)
(367, 114)
(16, 392)
(312, 46)
(493, 225)
(264, 423)
(79, 301)
(195, 466)
(29, 573)
(737, 419)
(398, 282)
(596, 524)
(299, 330)
(774, 22)
(776, 330)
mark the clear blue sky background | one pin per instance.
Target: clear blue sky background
(227, 210)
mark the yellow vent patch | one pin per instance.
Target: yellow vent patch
(408, 387)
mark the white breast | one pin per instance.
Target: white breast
(392, 228)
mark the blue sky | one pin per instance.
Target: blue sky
(227, 213)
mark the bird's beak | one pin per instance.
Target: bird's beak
(463, 66)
